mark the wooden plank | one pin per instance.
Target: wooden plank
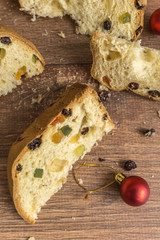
(66, 216)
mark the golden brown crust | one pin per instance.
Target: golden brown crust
(7, 32)
(140, 23)
(76, 93)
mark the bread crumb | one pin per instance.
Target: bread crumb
(33, 19)
(61, 34)
(152, 176)
(73, 218)
(158, 113)
(45, 33)
(61, 59)
(102, 87)
(31, 238)
(48, 89)
(38, 99)
(80, 181)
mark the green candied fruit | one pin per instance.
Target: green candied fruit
(38, 173)
(125, 18)
(34, 58)
(79, 150)
(66, 130)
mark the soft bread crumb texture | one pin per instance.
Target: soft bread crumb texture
(120, 64)
(17, 59)
(31, 238)
(57, 153)
(90, 15)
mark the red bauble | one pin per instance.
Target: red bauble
(134, 191)
(155, 22)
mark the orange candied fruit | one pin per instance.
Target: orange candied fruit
(58, 119)
(57, 137)
(20, 72)
(74, 139)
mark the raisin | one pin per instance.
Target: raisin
(139, 7)
(154, 93)
(129, 165)
(149, 132)
(101, 159)
(138, 30)
(85, 130)
(133, 86)
(5, 40)
(35, 144)
(107, 25)
(19, 168)
(105, 117)
(104, 95)
(66, 112)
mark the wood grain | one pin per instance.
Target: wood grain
(66, 216)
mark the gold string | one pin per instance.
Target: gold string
(97, 189)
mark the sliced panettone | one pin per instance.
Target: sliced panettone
(121, 17)
(120, 64)
(41, 157)
(18, 56)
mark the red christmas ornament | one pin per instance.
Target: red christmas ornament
(134, 190)
(155, 22)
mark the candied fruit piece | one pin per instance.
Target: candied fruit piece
(125, 18)
(57, 137)
(38, 173)
(79, 150)
(58, 119)
(34, 58)
(74, 139)
(20, 72)
(66, 130)
(2, 53)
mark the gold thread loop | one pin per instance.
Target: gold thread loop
(97, 189)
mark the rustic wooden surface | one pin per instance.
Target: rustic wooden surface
(104, 216)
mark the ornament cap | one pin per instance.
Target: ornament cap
(119, 177)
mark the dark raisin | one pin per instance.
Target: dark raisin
(101, 159)
(129, 165)
(149, 132)
(154, 93)
(19, 168)
(35, 144)
(138, 30)
(139, 7)
(107, 25)
(104, 95)
(5, 40)
(85, 130)
(105, 117)
(66, 112)
(133, 86)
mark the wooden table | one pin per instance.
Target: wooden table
(66, 216)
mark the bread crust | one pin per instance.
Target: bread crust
(140, 23)
(8, 32)
(76, 93)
